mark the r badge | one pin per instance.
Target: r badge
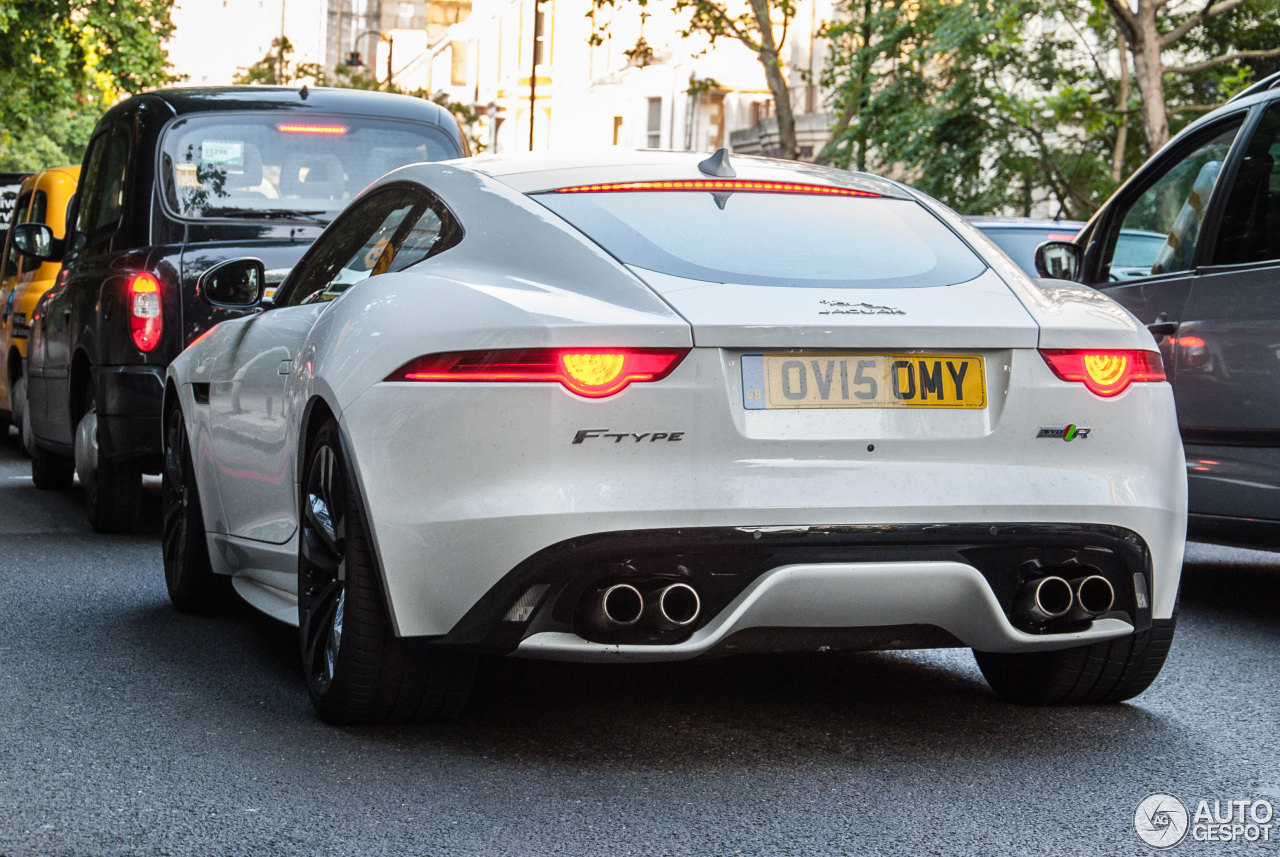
(1067, 433)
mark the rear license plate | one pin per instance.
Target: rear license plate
(774, 381)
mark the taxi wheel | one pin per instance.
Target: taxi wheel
(18, 400)
(357, 669)
(1110, 671)
(188, 574)
(51, 472)
(112, 489)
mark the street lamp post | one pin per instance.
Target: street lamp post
(386, 37)
(533, 72)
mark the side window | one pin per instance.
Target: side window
(39, 207)
(1158, 233)
(385, 233)
(13, 259)
(104, 186)
(1250, 230)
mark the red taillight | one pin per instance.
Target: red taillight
(719, 186)
(312, 129)
(590, 372)
(145, 322)
(1106, 373)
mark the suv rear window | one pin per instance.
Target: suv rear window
(772, 239)
(275, 163)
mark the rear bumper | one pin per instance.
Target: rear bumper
(806, 588)
(896, 604)
(131, 398)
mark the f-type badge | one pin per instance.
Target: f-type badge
(847, 308)
(1067, 433)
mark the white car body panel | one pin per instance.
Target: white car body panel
(464, 481)
(730, 315)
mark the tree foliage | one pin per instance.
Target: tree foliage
(1005, 105)
(64, 62)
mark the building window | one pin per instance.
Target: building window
(654, 139)
(617, 130)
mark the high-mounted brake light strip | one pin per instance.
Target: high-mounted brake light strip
(1105, 373)
(590, 372)
(719, 186)
(312, 129)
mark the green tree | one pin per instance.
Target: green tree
(999, 106)
(64, 62)
(1153, 28)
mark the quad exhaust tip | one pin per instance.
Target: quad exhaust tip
(1092, 596)
(615, 607)
(674, 606)
(1044, 599)
(665, 609)
(1051, 598)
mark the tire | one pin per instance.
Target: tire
(188, 574)
(357, 670)
(51, 472)
(1112, 671)
(18, 401)
(112, 490)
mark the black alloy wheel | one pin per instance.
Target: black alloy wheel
(188, 574)
(357, 669)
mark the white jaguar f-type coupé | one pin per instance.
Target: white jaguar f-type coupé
(662, 405)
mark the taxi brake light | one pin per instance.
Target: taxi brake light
(145, 320)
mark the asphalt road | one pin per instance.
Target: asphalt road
(127, 728)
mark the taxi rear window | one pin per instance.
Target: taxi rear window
(775, 239)
(270, 164)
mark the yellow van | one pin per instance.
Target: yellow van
(43, 198)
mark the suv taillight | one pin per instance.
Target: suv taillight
(145, 322)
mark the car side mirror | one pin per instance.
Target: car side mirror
(237, 283)
(1060, 260)
(36, 241)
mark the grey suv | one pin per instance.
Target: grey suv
(1211, 295)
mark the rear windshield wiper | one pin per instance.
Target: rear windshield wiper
(271, 214)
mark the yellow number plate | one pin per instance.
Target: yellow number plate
(771, 381)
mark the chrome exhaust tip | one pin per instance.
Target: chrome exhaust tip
(615, 607)
(1043, 599)
(1092, 596)
(674, 606)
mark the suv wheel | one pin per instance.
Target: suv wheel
(112, 490)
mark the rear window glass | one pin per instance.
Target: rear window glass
(273, 164)
(772, 239)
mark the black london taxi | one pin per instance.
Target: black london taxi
(173, 183)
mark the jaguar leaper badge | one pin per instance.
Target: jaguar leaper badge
(1067, 432)
(849, 308)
